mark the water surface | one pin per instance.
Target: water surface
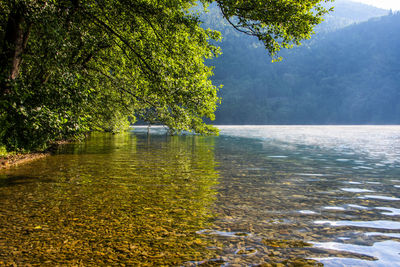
(255, 194)
(115, 199)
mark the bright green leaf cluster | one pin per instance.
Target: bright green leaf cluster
(73, 66)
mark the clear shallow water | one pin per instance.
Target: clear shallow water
(113, 200)
(253, 195)
(335, 187)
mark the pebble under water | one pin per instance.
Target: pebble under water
(253, 196)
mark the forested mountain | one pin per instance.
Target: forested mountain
(346, 13)
(347, 76)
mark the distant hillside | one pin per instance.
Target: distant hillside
(348, 76)
(346, 13)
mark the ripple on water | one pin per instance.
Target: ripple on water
(246, 251)
(380, 224)
(357, 207)
(365, 168)
(333, 208)
(352, 182)
(379, 197)
(222, 233)
(255, 169)
(392, 211)
(395, 235)
(380, 165)
(307, 212)
(386, 253)
(356, 190)
(311, 174)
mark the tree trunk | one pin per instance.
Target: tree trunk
(14, 43)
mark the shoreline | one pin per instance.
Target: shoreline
(13, 160)
(18, 159)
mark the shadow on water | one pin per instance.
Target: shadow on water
(21, 180)
(122, 199)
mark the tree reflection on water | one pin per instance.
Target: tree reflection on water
(114, 199)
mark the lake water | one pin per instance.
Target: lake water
(294, 195)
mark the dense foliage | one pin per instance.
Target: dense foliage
(346, 76)
(71, 66)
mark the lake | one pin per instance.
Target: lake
(253, 196)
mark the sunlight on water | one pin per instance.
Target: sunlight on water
(391, 211)
(376, 142)
(390, 225)
(380, 197)
(356, 190)
(294, 195)
(334, 208)
(294, 191)
(357, 206)
(385, 253)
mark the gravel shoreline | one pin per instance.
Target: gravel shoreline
(14, 160)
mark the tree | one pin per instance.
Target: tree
(278, 24)
(72, 66)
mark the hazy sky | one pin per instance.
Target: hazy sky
(386, 4)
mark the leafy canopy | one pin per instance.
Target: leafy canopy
(72, 66)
